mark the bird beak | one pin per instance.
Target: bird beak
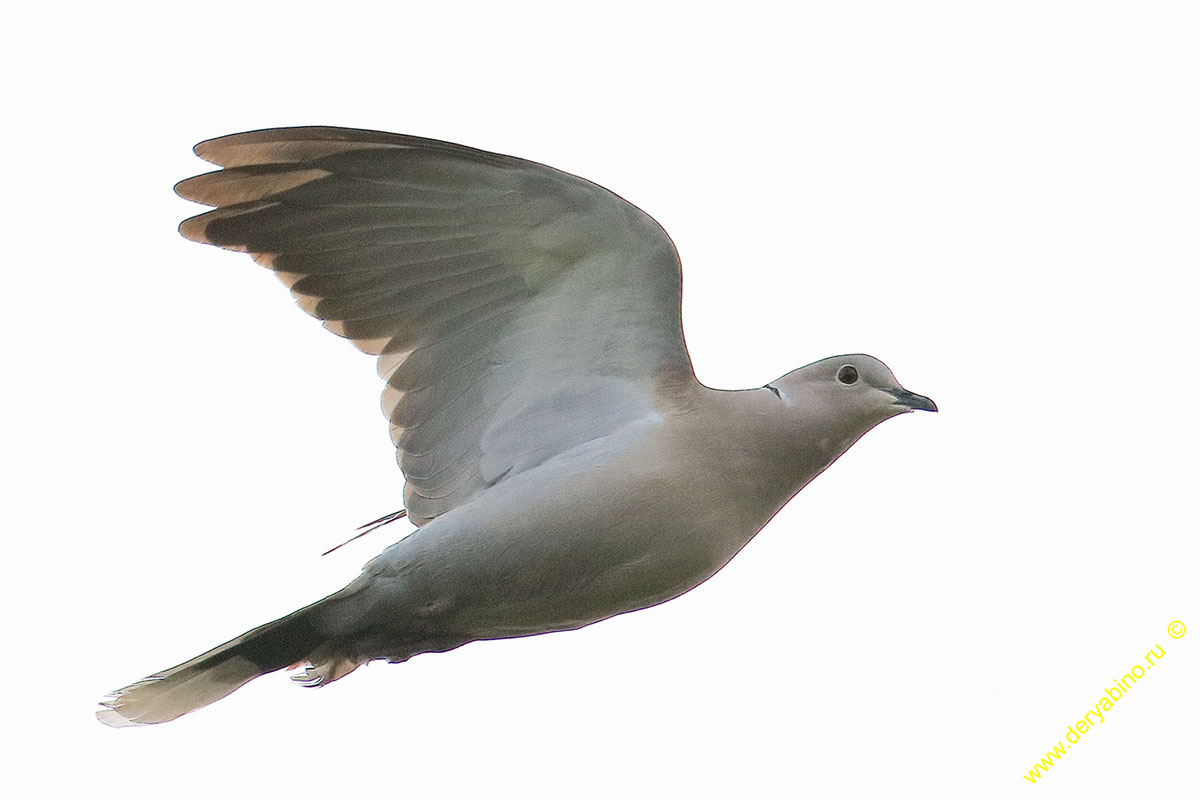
(911, 400)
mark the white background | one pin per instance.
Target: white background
(1000, 200)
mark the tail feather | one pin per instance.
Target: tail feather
(326, 672)
(210, 676)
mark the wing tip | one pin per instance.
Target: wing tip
(196, 228)
(193, 228)
(216, 149)
(290, 145)
(234, 186)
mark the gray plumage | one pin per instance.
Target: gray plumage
(561, 460)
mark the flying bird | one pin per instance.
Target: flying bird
(562, 463)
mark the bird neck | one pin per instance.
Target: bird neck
(762, 446)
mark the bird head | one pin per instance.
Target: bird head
(849, 394)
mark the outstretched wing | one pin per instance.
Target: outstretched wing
(517, 311)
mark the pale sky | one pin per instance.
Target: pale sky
(1001, 204)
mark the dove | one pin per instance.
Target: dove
(562, 463)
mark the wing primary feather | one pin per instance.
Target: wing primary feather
(231, 187)
(366, 259)
(409, 276)
(403, 299)
(478, 297)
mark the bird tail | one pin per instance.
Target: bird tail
(207, 678)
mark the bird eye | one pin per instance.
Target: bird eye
(848, 375)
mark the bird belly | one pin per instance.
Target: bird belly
(597, 543)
